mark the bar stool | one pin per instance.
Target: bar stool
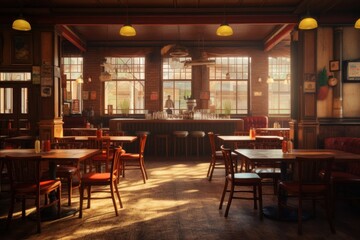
(197, 135)
(178, 135)
(162, 137)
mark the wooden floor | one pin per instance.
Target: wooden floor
(178, 202)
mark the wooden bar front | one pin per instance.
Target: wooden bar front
(157, 126)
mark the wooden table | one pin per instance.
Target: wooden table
(54, 156)
(243, 139)
(276, 155)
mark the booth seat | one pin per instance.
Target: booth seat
(256, 122)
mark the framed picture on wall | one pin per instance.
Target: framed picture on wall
(334, 65)
(21, 49)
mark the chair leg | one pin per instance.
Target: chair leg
(89, 196)
(260, 201)
(118, 194)
(255, 196)
(230, 200)
(211, 169)
(223, 193)
(81, 190)
(10, 213)
(70, 183)
(113, 197)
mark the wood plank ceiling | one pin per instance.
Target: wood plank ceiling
(267, 22)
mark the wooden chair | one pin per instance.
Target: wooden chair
(68, 171)
(217, 158)
(27, 182)
(104, 157)
(238, 180)
(131, 161)
(267, 171)
(102, 179)
(311, 181)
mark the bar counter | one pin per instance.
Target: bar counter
(167, 126)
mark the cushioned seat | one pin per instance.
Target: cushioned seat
(178, 136)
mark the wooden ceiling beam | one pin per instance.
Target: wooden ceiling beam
(69, 35)
(278, 36)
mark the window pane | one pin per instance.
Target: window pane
(176, 82)
(15, 76)
(6, 97)
(24, 100)
(126, 91)
(279, 90)
(229, 85)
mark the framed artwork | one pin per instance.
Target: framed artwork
(85, 95)
(45, 91)
(36, 74)
(93, 95)
(351, 71)
(21, 49)
(334, 65)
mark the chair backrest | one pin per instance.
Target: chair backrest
(64, 143)
(229, 162)
(313, 169)
(142, 143)
(212, 143)
(24, 170)
(115, 165)
(267, 143)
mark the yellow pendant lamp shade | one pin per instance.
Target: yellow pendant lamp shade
(357, 24)
(308, 23)
(224, 30)
(127, 31)
(21, 24)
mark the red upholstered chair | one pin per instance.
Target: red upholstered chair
(237, 181)
(256, 122)
(311, 181)
(102, 179)
(27, 182)
(104, 157)
(131, 161)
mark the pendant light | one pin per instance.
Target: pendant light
(357, 24)
(127, 30)
(307, 22)
(224, 30)
(21, 24)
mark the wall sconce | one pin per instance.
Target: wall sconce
(259, 79)
(269, 80)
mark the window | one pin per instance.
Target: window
(125, 93)
(229, 83)
(14, 105)
(73, 69)
(176, 82)
(279, 86)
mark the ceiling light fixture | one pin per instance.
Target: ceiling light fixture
(224, 30)
(357, 24)
(21, 24)
(127, 30)
(307, 22)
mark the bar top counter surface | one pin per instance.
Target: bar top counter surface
(219, 125)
